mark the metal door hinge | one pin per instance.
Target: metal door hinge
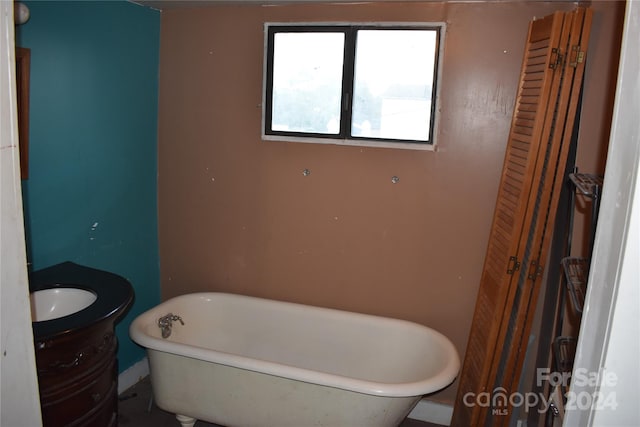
(513, 265)
(577, 56)
(535, 270)
(556, 58)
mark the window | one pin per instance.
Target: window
(351, 84)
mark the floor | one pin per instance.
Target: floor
(135, 411)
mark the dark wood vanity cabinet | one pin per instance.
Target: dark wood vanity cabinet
(76, 354)
(78, 377)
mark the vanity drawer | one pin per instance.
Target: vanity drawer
(82, 401)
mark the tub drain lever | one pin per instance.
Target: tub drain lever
(166, 322)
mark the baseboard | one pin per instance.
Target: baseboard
(432, 412)
(133, 375)
(426, 410)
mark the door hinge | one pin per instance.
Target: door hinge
(577, 56)
(513, 265)
(556, 58)
(535, 270)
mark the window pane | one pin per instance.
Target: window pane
(393, 80)
(307, 82)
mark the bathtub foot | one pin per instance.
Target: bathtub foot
(185, 421)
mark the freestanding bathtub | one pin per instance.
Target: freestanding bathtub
(245, 361)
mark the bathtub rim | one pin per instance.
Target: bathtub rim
(417, 388)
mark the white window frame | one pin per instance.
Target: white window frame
(432, 146)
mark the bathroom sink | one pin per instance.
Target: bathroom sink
(74, 311)
(48, 304)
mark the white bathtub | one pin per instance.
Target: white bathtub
(244, 361)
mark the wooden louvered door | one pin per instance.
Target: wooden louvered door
(525, 208)
(501, 260)
(549, 177)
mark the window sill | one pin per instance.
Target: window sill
(353, 142)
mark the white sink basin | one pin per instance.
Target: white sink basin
(49, 304)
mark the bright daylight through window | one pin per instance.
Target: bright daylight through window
(351, 83)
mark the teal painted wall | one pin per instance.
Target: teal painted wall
(91, 195)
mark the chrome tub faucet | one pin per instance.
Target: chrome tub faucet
(166, 322)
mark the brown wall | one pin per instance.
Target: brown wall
(237, 215)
